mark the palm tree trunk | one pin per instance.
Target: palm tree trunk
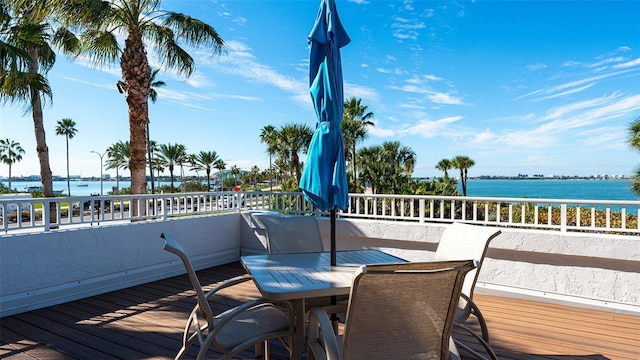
(46, 176)
(9, 178)
(171, 175)
(136, 74)
(153, 188)
(68, 181)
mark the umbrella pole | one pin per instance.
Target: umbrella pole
(333, 237)
(334, 317)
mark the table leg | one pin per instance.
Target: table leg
(299, 331)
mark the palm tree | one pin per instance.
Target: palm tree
(118, 157)
(463, 163)
(253, 175)
(634, 141)
(142, 21)
(269, 135)
(400, 161)
(444, 165)
(175, 155)
(153, 95)
(10, 153)
(220, 165)
(205, 160)
(26, 39)
(235, 171)
(355, 124)
(293, 138)
(67, 127)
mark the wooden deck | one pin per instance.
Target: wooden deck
(146, 322)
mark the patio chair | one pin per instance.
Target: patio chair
(234, 330)
(396, 311)
(287, 234)
(463, 241)
(292, 234)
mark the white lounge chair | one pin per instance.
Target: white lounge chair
(461, 241)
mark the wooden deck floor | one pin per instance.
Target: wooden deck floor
(146, 322)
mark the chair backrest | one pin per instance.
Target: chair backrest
(172, 245)
(292, 234)
(461, 241)
(403, 311)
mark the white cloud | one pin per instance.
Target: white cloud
(536, 67)
(430, 128)
(627, 64)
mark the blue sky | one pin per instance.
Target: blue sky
(537, 87)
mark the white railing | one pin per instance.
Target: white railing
(604, 216)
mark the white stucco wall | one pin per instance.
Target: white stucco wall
(48, 268)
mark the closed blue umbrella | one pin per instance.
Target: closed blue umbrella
(324, 177)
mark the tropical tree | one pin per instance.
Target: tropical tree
(10, 153)
(444, 165)
(253, 175)
(205, 160)
(634, 142)
(26, 39)
(220, 165)
(355, 124)
(146, 26)
(292, 139)
(400, 161)
(372, 168)
(153, 95)
(67, 127)
(463, 163)
(118, 157)
(175, 154)
(235, 171)
(269, 136)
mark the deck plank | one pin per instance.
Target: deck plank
(146, 322)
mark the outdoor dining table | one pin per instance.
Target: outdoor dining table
(296, 277)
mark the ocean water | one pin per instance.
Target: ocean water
(541, 189)
(81, 188)
(576, 189)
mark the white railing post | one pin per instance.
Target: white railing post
(563, 217)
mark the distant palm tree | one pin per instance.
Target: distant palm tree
(444, 165)
(463, 163)
(253, 175)
(292, 139)
(235, 171)
(103, 22)
(10, 153)
(634, 141)
(205, 160)
(67, 127)
(269, 136)
(220, 165)
(175, 154)
(355, 125)
(118, 157)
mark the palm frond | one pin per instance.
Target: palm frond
(16, 86)
(67, 41)
(171, 54)
(101, 46)
(87, 13)
(195, 32)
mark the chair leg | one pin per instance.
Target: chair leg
(483, 324)
(484, 344)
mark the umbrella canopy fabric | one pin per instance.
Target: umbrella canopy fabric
(324, 177)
